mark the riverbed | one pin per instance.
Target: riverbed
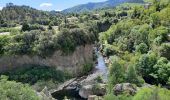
(73, 94)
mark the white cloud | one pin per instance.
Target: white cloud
(1, 8)
(46, 5)
(58, 10)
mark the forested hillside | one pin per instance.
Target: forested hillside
(93, 6)
(137, 49)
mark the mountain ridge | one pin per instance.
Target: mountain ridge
(92, 6)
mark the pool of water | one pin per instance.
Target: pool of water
(70, 94)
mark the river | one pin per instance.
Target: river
(100, 69)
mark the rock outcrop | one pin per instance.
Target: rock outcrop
(84, 85)
(124, 87)
(73, 63)
(45, 95)
(85, 91)
(95, 89)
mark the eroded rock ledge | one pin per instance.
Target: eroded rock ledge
(73, 63)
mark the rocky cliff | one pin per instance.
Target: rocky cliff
(73, 63)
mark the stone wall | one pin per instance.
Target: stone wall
(73, 63)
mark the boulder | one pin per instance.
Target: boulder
(99, 89)
(85, 91)
(45, 95)
(92, 97)
(124, 88)
(95, 89)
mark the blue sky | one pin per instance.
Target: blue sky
(47, 4)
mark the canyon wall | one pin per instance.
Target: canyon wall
(73, 63)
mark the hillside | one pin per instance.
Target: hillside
(14, 13)
(92, 6)
(113, 53)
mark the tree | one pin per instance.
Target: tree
(25, 27)
(154, 93)
(116, 71)
(145, 66)
(131, 75)
(161, 71)
(165, 50)
(142, 48)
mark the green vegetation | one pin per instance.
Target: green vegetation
(34, 74)
(38, 76)
(140, 43)
(138, 50)
(135, 39)
(10, 90)
(93, 6)
(152, 94)
(87, 68)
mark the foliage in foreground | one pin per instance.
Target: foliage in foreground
(10, 90)
(154, 93)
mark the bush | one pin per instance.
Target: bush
(25, 27)
(161, 71)
(10, 90)
(142, 48)
(87, 68)
(154, 70)
(152, 94)
(33, 74)
(165, 50)
(3, 42)
(110, 97)
(131, 76)
(116, 72)
(145, 66)
(99, 79)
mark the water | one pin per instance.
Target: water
(73, 94)
(70, 94)
(101, 66)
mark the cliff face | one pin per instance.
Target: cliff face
(72, 63)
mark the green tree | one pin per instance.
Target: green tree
(142, 48)
(116, 71)
(131, 75)
(145, 66)
(165, 50)
(25, 27)
(154, 93)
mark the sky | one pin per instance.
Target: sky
(47, 5)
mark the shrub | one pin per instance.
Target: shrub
(33, 74)
(131, 76)
(10, 90)
(116, 72)
(87, 68)
(165, 50)
(145, 66)
(25, 27)
(110, 97)
(142, 48)
(152, 94)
